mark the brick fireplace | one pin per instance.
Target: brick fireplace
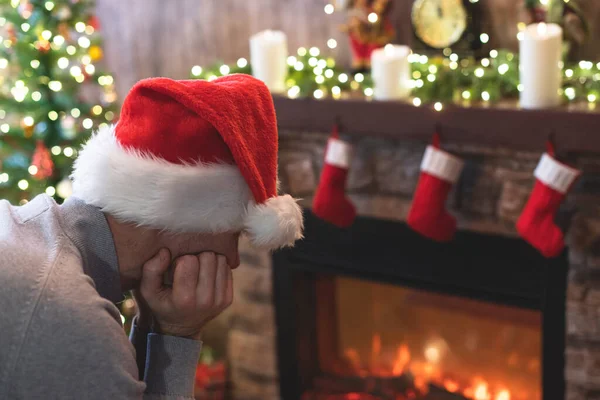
(488, 199)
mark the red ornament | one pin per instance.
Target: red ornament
(42, 160)
(42, 45)
(207, 375)
(94, 22)
(12, 35)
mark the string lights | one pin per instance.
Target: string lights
(435, 81)
(47, 50)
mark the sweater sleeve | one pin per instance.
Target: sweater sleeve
(171, 365)
(166, 363)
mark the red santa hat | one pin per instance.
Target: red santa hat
(192, 156)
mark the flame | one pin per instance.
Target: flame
(420, 383)
(427, 370)
(375, 367)
(451, 386)
(432, 354)
(542, 29)
(481, 392)
(402, 360)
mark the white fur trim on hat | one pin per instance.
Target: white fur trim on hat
(552, 173)
(149, 191)
(338, 153)
(441, 164)
(276, 223)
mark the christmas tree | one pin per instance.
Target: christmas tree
(52, 93)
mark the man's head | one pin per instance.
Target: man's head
(192, 159)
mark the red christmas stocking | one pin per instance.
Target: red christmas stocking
(536, 223)
(330, 202)
(428, 215)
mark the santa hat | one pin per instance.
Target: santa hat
(192, 156)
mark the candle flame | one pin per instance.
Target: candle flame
(542, 28)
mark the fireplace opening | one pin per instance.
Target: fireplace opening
(377, 312)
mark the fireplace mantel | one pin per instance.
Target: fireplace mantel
(575, 129)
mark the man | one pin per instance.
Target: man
(189, 166)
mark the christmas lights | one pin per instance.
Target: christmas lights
(48, 48)
(435, 81)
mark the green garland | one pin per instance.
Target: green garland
(444, 79)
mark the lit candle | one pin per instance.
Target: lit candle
(268, 56)
(391, 72)
(540, 51)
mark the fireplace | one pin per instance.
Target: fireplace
(377, 312)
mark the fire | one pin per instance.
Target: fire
(481, 392)
(375, 353)
(402, 360)
(503, 395)
(451, 386)
(424, 370)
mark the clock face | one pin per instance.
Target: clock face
(439, 23)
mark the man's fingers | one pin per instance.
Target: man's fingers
(152, 273)
(205, 290)
(221, 282)
(184, 281)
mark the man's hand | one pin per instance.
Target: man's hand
(202, 289)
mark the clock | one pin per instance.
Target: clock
(441, 24)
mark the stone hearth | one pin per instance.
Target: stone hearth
(489, 197)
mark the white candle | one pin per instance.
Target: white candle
(540, 51)
(268, 57)
(391, 72)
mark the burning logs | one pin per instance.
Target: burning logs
(375, 388)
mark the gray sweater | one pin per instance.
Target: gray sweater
(61, 335)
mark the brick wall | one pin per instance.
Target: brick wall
(488, 198)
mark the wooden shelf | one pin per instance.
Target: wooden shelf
(575, 128)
